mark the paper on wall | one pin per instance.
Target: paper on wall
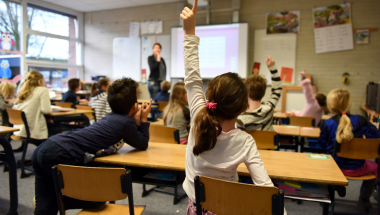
(144, 28)
(151, 27)
(134, 29)
(159, 27)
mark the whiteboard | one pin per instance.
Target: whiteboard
(126, 58)
(147, 50)
(295, 100)
(282, 48)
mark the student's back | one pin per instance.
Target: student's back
(99, 98)
(34, 100)
(163, 95)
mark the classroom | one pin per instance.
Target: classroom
(197, 107)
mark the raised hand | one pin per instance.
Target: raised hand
(158, 57)
(303, 72)
(269, 61)
(145, 110)
(189, 19)
(137, 115)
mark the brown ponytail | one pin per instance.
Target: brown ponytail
(230, 94)
(97, 86)
(93, 89)
(339, 102)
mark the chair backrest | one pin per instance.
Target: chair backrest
(301, 121)
(63, 104)
(17, 117)
(163, 134)
(92, 184)
(358, 148)
(227, 197)
(265, 139)
(89, 115)
(161, 106)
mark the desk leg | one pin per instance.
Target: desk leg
(10, 158)
(297, 144)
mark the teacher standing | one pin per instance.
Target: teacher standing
(157, 70)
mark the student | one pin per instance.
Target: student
(177, 113)
(33, 99)
(215, 147)
(259, 115)
(99, 98)
(316, 104)
(163, 96)
(126, 124)
(7, 91)
(342, 128)
(70, 96)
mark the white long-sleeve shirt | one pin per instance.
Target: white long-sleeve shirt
(231, 149)
(35, 106)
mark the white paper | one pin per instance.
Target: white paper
(144, 28)
(151, 27)
(134, 29)
(159, 27)
(334, 38)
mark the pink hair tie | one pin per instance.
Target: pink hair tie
(211, 105)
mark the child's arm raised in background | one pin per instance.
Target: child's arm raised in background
(276, 83)
(193, 81)
(307, 91)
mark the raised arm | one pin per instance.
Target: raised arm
(307, 89)
(193, 81)
(276, 83)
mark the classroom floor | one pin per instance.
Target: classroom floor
(162, 204)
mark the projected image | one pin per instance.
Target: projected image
(218, 51)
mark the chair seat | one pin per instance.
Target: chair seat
(366, 177)
(112, 209)
(17, 138)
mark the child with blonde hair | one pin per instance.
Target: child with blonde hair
(177, 113)
(7, 91)
(342, 128)
(33, 99)
(215, 147)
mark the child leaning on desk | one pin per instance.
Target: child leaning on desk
(342, 128)
(259, 115)
(215, 147)
(177, 113)
(127, 123)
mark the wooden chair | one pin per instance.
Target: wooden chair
(360, 149)
(97, 185)
(163, 134)
(265, 139)
(89, 115)
(64, 104)
(161, 106)
(301, 121)
(227, 197)
(17, 117)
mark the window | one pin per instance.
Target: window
(10, 27)
(57, 78)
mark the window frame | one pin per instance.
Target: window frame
(25, 64)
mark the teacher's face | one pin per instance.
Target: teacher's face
(156, 49)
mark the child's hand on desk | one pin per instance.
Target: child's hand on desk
(145, 110)
(269, 61)
(188, 16)
(83, 101)
(137, 115)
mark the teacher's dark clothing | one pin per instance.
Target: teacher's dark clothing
(157, 74)
(157, 69)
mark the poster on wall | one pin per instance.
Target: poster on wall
(333, 28)
(283, 22)
(7, 44)
(362, 36)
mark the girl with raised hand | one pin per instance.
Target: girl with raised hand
(215, 147)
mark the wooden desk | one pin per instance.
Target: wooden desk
(145, 101)
(287, 130)
(9, 157)
(310, 132)
(73, 112)
(158, 123)
(280, 165)
(284, 116)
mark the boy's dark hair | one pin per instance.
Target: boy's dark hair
(122, 95)
(256, 87)
(73, 84)
(321, 99)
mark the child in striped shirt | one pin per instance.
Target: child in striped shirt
(99, 96)
(259, 115)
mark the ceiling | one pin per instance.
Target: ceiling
(96, 5)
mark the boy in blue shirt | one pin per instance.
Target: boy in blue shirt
(70, 96)
(127, 123)
(163, 96)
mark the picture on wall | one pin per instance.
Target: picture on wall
(332, 15)
(286, 75)
(362, 36)
(283, 22)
